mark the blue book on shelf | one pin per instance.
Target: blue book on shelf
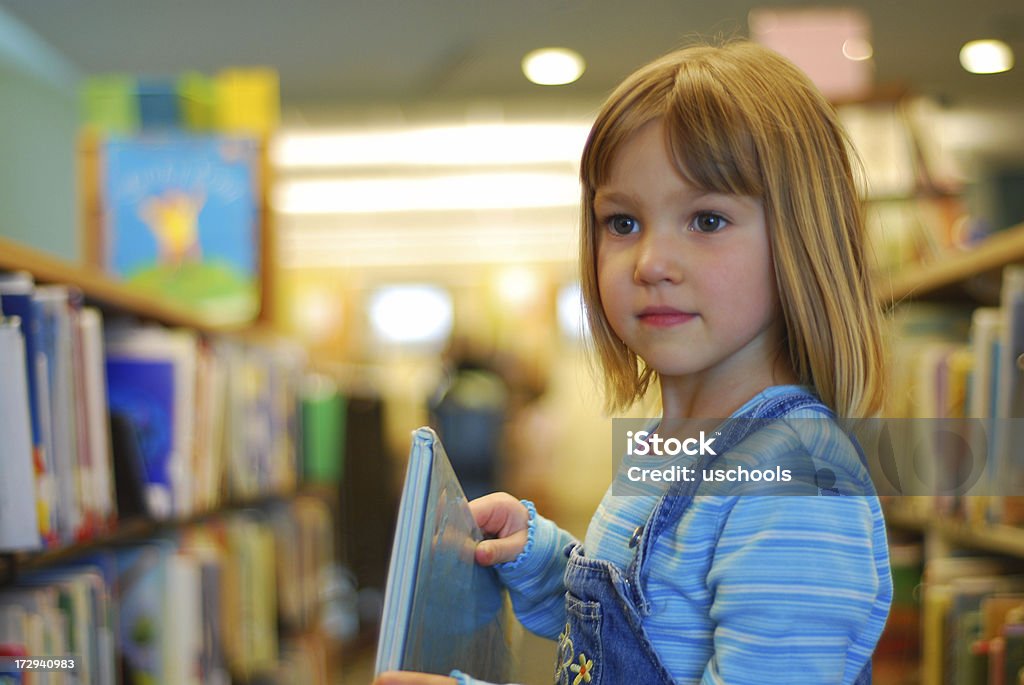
(143, 391)
(441, 610)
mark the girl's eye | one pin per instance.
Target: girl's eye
(620, 224)
(708, 222)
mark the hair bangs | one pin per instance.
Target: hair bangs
(709, 137)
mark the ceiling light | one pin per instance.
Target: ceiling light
(411, 314)
(553, 66)
(857, 49)
(986, 56)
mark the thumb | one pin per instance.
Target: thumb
(500, 550)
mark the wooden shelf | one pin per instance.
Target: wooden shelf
(133, 530)
(99, 287)
(1000, 249)
(999, 539)
(1006, 540)
(905, 518)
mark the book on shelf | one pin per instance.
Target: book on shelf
(181, 218)
(441, 610)
(151, 373)
(64, 394)
(16, 299)
(1009, 405)
(952, 378)
(19, 523)
(972, 622)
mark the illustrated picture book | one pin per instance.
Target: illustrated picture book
(182, 219)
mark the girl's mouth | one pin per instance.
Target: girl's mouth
(664, 317)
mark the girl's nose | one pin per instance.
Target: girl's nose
(659, 260)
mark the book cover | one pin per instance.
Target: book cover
(151, 378)
(323, 430)
(441, 610)
(143, 391)
(181, 220)
(142, 610)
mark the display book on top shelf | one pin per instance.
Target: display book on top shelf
(153, 519)
(957, 545)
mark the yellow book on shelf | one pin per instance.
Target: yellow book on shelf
(248, 100)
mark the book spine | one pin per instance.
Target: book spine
(18, 522)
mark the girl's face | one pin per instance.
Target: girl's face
(685, 276)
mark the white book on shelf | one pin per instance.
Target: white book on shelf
(19, 527)
(184, 627)
(17, 293)
(100, 484)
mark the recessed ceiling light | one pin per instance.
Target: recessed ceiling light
(986, 57)
(857, 49)
(553, 66)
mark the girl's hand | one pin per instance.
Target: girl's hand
(410, 678)
(504, 520)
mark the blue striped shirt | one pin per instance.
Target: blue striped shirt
(745, 589)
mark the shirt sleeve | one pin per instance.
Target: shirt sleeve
(535, 579)
(795, 582)
(463, 679)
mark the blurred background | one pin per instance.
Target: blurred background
(419, 196)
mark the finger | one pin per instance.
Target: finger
(500, 550)
(410, 678)
(499, 514)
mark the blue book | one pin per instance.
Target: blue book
(143, 391)
(441, 610)
(182, 220)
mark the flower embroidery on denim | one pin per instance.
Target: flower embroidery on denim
(565, 654)
(582, 669)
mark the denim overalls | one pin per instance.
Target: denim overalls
(604, 642)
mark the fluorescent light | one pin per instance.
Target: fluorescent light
(411, 314)
(365, 241)
(478, 144)
(553, 66)
(407, 194)
(571, 319)
(986, 57)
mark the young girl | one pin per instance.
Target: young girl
(723, 259)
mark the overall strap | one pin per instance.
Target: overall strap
(670, 507)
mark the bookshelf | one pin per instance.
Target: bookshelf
(230, 587)
(951, 268)
(995, 538)
(95, 285)
(956, 559)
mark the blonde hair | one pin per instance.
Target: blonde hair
(741, 119)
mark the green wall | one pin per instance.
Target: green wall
(38, 126)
